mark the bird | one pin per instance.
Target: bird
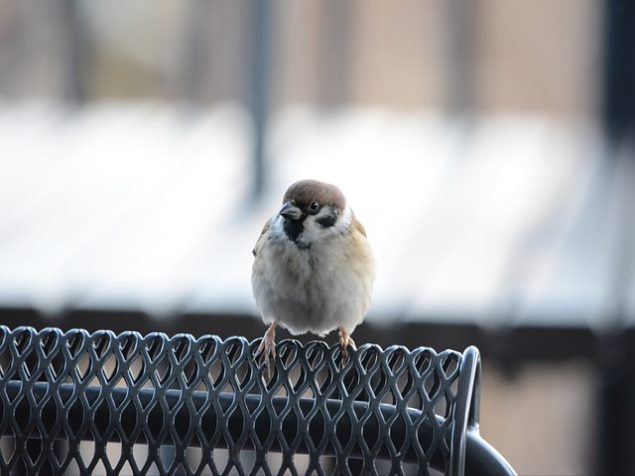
(313, 268)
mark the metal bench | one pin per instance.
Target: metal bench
(100, 403)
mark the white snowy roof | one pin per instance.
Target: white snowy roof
(142, 206)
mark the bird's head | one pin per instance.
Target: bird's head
(312, 210)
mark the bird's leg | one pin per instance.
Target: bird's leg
(345, 341)
(267, 347)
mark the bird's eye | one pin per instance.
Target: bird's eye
(314, 207)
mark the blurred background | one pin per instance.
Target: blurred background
(485, 145)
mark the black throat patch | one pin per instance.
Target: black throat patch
(293, 229)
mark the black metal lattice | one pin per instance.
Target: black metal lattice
(80, 403)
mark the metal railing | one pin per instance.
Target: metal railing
(75, 402)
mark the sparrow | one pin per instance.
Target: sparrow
(313, 268)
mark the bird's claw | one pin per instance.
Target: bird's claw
(267, 353)
(267, 349)
(346, 341)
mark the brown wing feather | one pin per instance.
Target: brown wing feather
(262, 233)
(358, 226)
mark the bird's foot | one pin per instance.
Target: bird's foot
(267, 348)
(346, 341)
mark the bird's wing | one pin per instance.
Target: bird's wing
(262, 233)
(358, 226)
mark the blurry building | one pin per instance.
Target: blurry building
(125, 183)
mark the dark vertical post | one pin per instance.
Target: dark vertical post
(260, 70)
(195, 56)
(616, 415)
(459, 72)
(75, 43)
(619, 69)
(335, 52)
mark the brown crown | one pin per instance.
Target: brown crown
(305, 192)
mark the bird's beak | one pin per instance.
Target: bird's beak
(290, 211)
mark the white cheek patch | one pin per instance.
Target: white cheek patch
(347, 218)
(313, 231)
(342, 224)
(277, 228)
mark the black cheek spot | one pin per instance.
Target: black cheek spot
(327, 221)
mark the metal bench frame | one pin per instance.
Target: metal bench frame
(392, 411)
